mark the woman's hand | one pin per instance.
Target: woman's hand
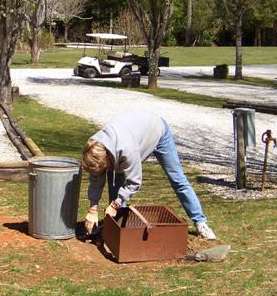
(91, 220)
(112, 208)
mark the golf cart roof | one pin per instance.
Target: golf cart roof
(106, 36)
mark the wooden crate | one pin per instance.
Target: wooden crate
(145, 233)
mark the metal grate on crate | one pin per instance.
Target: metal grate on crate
(127, 219)
(158, 214)
(153, 214)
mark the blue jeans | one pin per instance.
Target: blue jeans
(166, 154)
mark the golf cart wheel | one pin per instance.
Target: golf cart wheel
(90, 73)
(125, 72)
(143, 71)
(76, 71)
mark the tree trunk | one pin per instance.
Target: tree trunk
(274, 41)
(5, 78)
(188, 28)
(35, 49)
(111, 22)
(258, 36)
(10, 29)
(238, 71)
(154, 56)
(5, 84)
(50, 25)
(66, 26)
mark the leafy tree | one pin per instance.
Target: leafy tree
(12, 15)
(264, 16)
(104, 11)
(205, 25)
(194, 22)
(153, 17)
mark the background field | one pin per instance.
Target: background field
(179, 56)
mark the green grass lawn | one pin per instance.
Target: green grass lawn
(179, 56)
(58, 268)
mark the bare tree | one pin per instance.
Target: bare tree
(12, 15)
(35, 19)
(51, 11)
(128, 25)
(153, 17)
(235, 10)
(67, 10)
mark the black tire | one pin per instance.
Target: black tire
(143, 71)
(90, 73)
(76, 71)
(125, 72)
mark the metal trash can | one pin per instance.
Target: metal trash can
(54, 187)
(221, 71)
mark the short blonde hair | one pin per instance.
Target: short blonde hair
(94, 157)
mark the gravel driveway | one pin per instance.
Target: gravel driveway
(178, 78)
(7, 151)
(204, 135)
(260, 71)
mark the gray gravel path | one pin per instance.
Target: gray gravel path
(260, 71)
(204, 135)
(7, 151)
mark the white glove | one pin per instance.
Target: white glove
(112, 208)
(91, 220)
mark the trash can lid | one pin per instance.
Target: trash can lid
(54, 162)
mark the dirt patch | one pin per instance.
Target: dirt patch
(31, 261)
(14, 233)
(88, 252)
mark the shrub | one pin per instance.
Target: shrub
(47, 40)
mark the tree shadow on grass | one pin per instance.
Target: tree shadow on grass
(75, 81)
(219, 182)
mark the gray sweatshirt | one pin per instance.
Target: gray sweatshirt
(130, 138)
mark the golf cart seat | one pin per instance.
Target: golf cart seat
(119, 54)
(107, 63)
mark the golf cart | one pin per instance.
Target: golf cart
(141, 61)
(91, 67)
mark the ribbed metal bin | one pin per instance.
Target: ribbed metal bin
(145, 233)
(54, 187)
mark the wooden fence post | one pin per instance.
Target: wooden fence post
(244, 135)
